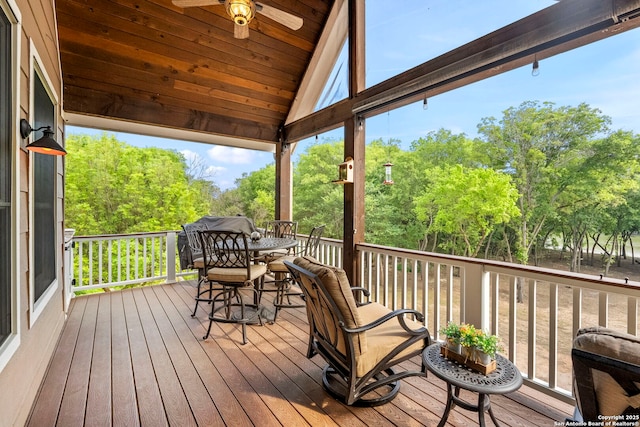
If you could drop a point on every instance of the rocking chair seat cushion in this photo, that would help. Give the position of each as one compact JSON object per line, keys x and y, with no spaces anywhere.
{"x":616,"y":345}
{"x":382,"y":339}
{"x":236,"y":275}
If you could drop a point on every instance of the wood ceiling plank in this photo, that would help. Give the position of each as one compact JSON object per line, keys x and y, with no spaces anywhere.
{"x":146,"y":38}
{"x":92,"y":81}
{"x":166,"y":66}
{"x":110,"y":105}
{"x":170,"y":74}
{"x":212,"y":28}
{"x":297,"y":42}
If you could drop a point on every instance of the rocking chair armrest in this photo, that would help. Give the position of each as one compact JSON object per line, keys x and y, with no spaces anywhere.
{"x":358,"y":292}
{"x":394,"y":314}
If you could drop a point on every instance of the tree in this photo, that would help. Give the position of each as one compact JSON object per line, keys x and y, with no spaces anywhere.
{"x":468,"y":205}
{"x":112,"y":187}
{"x":316,"y":200}
{"x":539,"y":146}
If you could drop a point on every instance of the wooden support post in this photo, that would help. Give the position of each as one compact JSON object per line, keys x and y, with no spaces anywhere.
{"x":284,"y":187}
{"x":354,"y":145}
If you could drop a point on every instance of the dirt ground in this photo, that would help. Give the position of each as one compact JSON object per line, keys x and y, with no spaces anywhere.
{"x":560,"y":261}
{"x":616,"y":307}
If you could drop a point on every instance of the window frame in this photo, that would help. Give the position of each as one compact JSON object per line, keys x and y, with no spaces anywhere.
{"x":11,"y":344}
{"x":36,"y":307}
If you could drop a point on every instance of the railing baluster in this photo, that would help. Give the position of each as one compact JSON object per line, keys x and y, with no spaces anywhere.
{"x":603,"y":309}
{"x":553,"y":335}
{"x":513,"y":306}
{"x":577,"y":310}
{"x":532,"y":330}
{"x":632,"y":315}
{"x":109,"y":261}
{"x":90,"y":263}
{"x":436,"y":297}
{"x":495,"y":304}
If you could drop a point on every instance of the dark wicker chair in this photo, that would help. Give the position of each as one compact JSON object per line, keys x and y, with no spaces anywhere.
{"x":362,"y":344}
{"x":232,"y":268}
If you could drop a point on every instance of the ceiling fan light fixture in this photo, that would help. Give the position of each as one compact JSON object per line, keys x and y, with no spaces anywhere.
{"x":241,"y":11}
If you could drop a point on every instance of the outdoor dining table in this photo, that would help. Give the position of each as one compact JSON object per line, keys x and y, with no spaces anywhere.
{"x":266,"y":244}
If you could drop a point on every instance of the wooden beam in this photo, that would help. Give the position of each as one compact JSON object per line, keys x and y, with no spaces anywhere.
{"x":563,"y":26}
{"x":284,"y":181}
{"x":354,"y":145}
{"x":322,"y":62}
{"x":120,"y":107}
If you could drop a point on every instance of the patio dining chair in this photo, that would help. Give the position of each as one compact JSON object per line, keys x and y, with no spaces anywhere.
{"x":203,"y":294}
{"x":279,"y":229}
{"x":232,"y":268}
{"x":363,"y":344}
{"x":287,"y":294}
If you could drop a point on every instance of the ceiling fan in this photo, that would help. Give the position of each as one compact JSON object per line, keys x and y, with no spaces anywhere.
{"x":243,"y":11}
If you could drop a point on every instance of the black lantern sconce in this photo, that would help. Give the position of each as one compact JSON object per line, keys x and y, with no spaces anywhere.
{"x":46,"y":144}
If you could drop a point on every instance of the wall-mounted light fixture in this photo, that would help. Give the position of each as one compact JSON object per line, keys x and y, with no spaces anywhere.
{"x":44,"y":145}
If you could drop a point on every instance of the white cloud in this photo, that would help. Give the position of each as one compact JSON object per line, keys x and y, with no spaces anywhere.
{"x":190,"y":156}
{"x":230,"y":155}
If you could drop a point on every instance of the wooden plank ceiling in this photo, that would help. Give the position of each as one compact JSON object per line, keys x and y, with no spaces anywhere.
{"x":150,"y":62}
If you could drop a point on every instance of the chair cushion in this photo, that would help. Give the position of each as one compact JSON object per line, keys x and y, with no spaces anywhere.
{"x":337,"y":285}
{"x":382,"y":339}
{"x":236,"y":275}
{"x":277,"y":266}
{"x":611,"y":397}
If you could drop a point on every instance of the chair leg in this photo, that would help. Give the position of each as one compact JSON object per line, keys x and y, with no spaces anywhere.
{"x":199,"y":291}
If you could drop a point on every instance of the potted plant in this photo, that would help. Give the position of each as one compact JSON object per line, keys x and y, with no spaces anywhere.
{"x":452,"y":334}
{"x":487,"y":346}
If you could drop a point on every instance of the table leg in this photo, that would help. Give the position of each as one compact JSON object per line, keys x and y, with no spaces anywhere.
{"x":481,"y":409}
{"x":484,"y":404}
{"x":450,"y":404}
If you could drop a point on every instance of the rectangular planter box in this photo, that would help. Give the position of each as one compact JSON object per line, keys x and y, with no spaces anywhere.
{"x":464,"y":360}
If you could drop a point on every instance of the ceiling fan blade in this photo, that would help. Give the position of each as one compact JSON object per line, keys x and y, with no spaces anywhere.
{"x":240,"y":31}
{"x":284,"y":18}
{"x":194,"y":3}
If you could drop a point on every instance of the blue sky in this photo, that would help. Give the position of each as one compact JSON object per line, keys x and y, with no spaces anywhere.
{"x":605,"y":75}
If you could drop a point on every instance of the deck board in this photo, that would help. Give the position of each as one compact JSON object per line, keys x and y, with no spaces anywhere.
{"x":136,"y":358}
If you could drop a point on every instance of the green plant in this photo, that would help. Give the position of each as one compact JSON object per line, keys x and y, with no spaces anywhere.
{"x":469,"y":335}
{"x":488,"y":344}
{"x":451,"y":331}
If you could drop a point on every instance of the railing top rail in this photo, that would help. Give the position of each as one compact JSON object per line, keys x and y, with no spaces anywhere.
{"x":123,"y":236}
{"x":580,"y":279}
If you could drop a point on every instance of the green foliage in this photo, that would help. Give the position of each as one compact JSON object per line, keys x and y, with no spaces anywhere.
{"x":316,"y":200}
{"x":112,"y":188}
{"x":467,"y":205}
{"x":538,"y":172}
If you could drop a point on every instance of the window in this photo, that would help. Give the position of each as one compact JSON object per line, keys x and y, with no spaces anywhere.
{"x":6,"y":171}
{"x":44,"y":196}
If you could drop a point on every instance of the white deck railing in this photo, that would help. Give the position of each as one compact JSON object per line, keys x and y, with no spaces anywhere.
{"x":106,"y":261}
{"x":537,"y":331}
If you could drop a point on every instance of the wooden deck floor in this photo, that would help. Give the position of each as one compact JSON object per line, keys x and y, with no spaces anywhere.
{"x":136,"y":357}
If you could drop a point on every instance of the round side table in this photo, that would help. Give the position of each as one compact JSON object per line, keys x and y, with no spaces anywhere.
{"x":505,"y":379}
